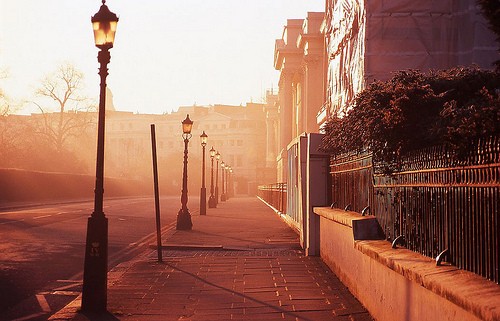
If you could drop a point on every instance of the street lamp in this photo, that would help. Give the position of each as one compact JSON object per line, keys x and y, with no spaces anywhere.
{"x":203,"y":192}
{"x":223,"y":195}
{"x":95,"y":273}
{"x":184,"y":217}
{"x":211,"y":200}
{"x":229,"y":181}
{"x":232,"y":182}
{"x":217,"y":157}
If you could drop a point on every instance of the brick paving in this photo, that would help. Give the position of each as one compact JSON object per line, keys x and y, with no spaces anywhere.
{"x":240,"y":262}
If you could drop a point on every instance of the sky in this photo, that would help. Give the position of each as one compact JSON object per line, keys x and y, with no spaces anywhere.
{"x":167,"y":53}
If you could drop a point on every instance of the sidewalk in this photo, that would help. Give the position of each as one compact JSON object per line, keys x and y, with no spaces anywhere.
{"x":240,"y":262}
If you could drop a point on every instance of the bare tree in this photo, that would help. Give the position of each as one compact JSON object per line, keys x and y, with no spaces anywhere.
{"x":13,"y":130}
{"x":5,"y":142}
{"x":4,"y":101}
{"x":64,"y":111}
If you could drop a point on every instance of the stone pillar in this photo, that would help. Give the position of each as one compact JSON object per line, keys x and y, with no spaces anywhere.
{"x":312,"y":45}
{"x":285,"y":116}
{"x":314,"y":94}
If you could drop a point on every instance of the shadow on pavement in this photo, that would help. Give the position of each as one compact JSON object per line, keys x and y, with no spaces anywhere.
{"x":277,"y":309}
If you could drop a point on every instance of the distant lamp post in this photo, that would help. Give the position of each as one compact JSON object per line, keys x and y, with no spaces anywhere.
{"x":203,"y":192}
{"x":229,"y":192}
{"x":217,"y":157}
{"x":211,"y":200}
{"x":95,"y":273}
{"x":184,"y":217}
{"x":223,"y":195}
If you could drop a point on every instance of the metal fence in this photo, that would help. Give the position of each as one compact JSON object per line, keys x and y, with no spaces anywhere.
{"x":275,"y":195}
{"x":435,"y":203}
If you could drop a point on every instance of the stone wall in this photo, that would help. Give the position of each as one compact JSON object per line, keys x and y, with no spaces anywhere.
{"x":31,"y":186}
{"x":396,"y":284}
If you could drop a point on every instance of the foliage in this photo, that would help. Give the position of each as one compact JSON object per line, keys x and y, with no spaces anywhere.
{"x":491,"y":11}
{"x":415,"y":110}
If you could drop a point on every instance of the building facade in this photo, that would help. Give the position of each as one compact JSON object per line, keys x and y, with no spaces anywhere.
{"x":299,"y":56}
{"x":368,"y":40}
{"x":327,"y":58}
{"x":238,"y":133}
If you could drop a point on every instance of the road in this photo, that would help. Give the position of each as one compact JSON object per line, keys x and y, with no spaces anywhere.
{"x":42,"y":249}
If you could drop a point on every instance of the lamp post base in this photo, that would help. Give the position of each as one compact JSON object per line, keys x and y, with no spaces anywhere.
{"x":184,"y":220}
{"x":95,"y":275}
{"x":203,"y":201}
{"x":212,"y":202}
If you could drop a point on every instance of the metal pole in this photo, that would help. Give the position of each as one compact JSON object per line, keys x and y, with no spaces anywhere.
{"x":157,"y":193}
{"x":227,"y":184}
{"x":223,"y":195}
{"x":95,"y":273}
{"x":103,"y":57}
{"x":184,"y":217}
{"x":203,"y":193}
{"x":217,"y":183}
{"x":230,"y":184}
{"x":211,"y":200}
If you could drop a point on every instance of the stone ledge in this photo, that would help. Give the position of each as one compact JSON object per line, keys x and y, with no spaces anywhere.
{"x":467,"y":290}
{"x":341,"y":216}
{"x":363,"y":227}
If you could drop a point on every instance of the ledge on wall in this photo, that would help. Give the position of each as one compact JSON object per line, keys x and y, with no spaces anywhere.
{"x":363,"y":227}
{"x":465,"y":289}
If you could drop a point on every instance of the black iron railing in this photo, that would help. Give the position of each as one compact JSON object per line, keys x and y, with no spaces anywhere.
{"x":434,"y":202}
{"x":275,"y":195}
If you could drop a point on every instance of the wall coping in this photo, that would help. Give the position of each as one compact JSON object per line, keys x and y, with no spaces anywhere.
{"x":467,"y":290}
{"x":340,"y":216}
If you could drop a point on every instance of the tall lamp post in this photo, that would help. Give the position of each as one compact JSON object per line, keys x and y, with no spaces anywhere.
{"x":184,"y":217}
{"x":223,"y":195}
{"x":95,"y":273}
{"x":229,"y":190}
{"x":211,"y":200}
{"x":217,"y":157}
{"x":232,"y":182}
{"x":203,"y":192}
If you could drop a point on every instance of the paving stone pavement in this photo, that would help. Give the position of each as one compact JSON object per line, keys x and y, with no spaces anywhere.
{"x":240,"y":262}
